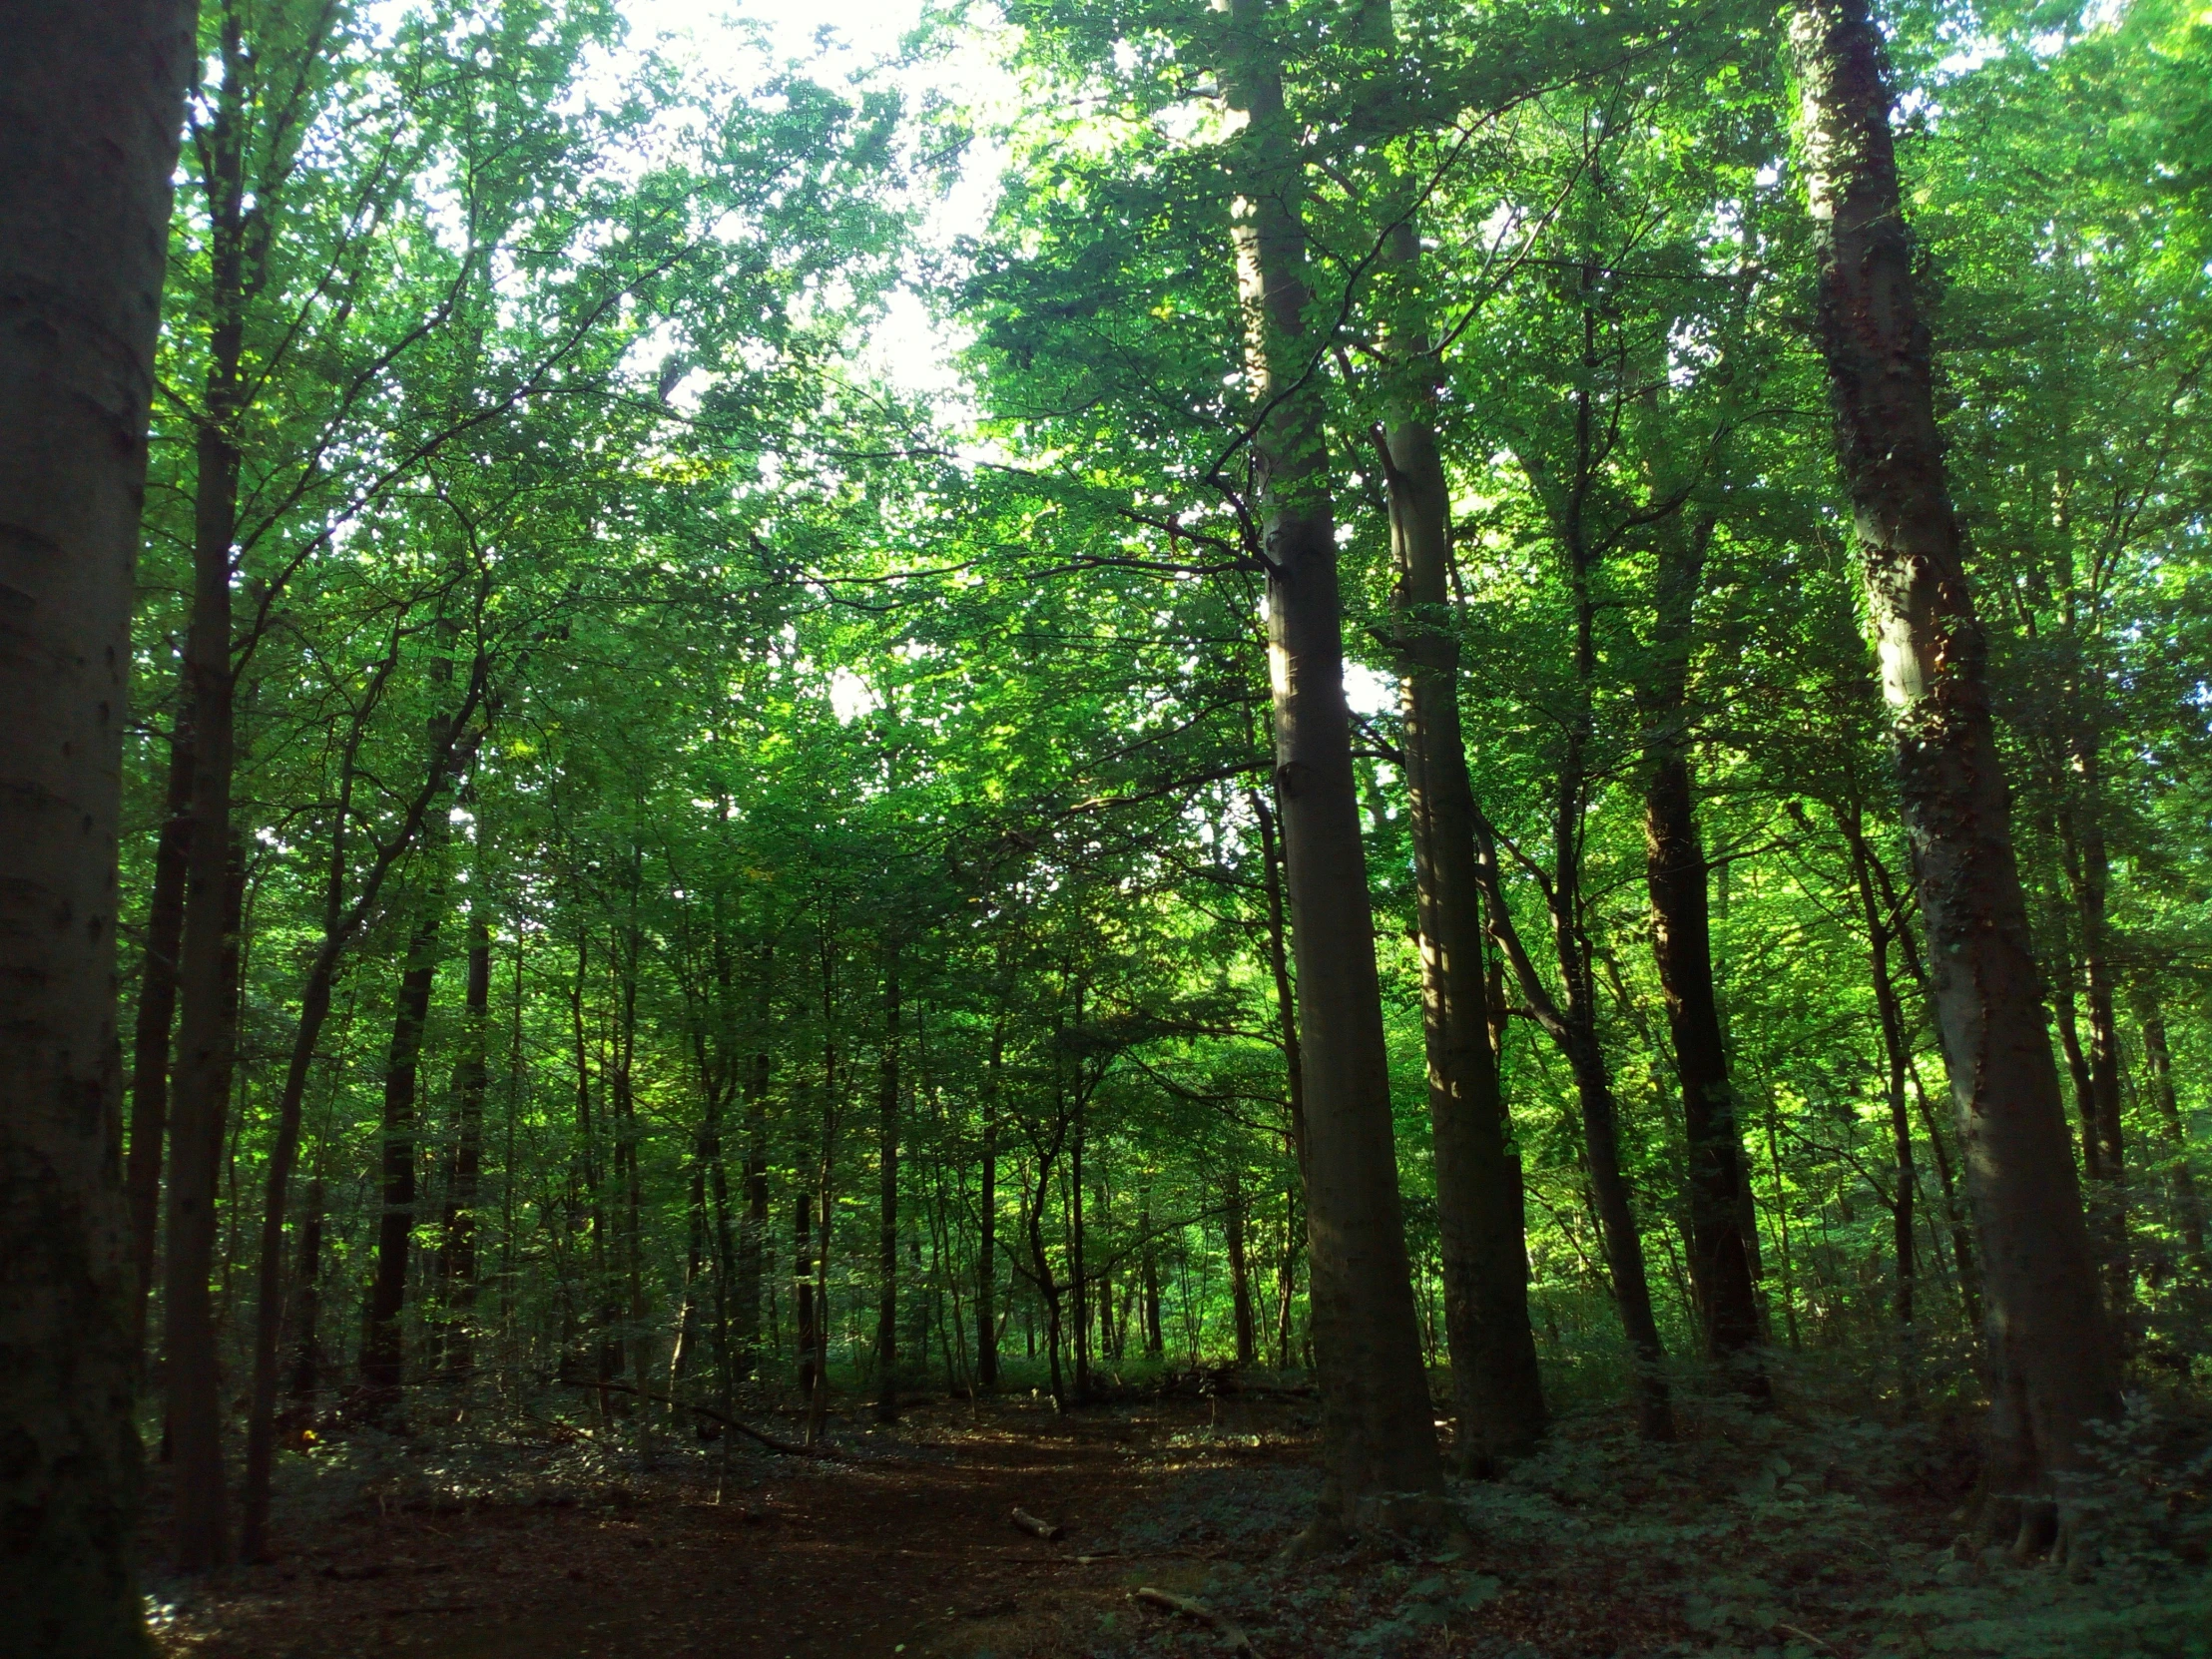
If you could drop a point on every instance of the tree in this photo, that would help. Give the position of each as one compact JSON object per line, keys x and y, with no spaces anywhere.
{"x":2048,"y":1357}
{"x":1378,"y":1424}
{"x":91,"y":105}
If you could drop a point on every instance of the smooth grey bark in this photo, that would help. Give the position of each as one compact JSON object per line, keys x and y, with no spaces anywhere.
{"x":2049,"y":1352}
{"x":1379,"y":1433}
{"x":91,"y":103}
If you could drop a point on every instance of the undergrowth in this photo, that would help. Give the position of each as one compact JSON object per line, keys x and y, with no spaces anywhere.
{"x":1798,"y":1533}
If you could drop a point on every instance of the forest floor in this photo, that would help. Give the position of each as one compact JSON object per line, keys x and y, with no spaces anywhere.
{"x":1753,"y":1535}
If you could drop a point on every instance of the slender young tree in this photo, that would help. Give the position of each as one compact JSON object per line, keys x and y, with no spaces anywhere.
{"x":1682,"y":943}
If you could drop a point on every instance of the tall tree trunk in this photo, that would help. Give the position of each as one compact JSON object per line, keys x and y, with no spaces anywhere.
{"x":1895,"y":1054}
{"x":802,"y":1288}
{"x":91,"y":100}
{"x":886,"y":1242}
{"x":817,"y":1393}
{"x":1079,"y":1285}
{"x":341,"y":923}
{"x":1154,"y":1336}
{"x":307,"y":1366}
{"x":157,"y":1010}
{"x":383,"y":1359}
{"x":2090,"y":863}
{"x":2188,"y":1205}
{"x":197,"y":1136}
{"x":1239,"y":1264}
{"x":986,"y":1220}
{"x":1498,"y":1394}
{"x":1497,"y":1390}
{"x":1278,"y":970}
{"x":637,"y":1343}
{"x":752,"y":1236}
{"x":2058,"y":948}
{"x":2049,"y":1355}
{"x":1675,"y":874}
{"x":206,"y":1035}
{"x":470,"y":1077}
{"x":1377,"y":1432}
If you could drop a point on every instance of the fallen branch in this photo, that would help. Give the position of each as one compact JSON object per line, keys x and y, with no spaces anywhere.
{"x":1238,"y":1641}
{"x":1805,"y":1636}
{"x":1044,"y":1529}
{"x":787,"y":1449}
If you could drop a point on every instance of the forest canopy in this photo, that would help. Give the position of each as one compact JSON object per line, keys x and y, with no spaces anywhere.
{"x":1432,"y":700}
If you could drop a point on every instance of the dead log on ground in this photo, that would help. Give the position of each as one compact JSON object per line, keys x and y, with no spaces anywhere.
{"x":1035,"y":1527}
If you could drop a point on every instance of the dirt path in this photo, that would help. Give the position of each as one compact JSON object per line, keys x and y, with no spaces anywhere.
{"x":906,"y":1548}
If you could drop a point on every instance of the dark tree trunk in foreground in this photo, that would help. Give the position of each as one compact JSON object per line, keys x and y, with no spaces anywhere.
{"x":157,"y":1010}
{"x":1378,"y":1435}
{"x":91,"y":101}
{"x":1682,"y":943}
{"x":2049,"y":1353}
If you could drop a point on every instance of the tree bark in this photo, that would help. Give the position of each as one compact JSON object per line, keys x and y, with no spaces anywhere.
{"x":91,"y":103}
{"x":1499,"y":1396}
{"x":307,"y":1368}
{"x":1377,"y":1431}
{"x":383,"y":1360}
{"x":1675,"y":874}
{"x":471,"y":1075}
{"x":1240,"y":1267}
{"x":201,"y":1528}
{"x":2049,"y":1355}
{"x":753,"y":1235}
{"x":2188,"y":1204}
{"x":886,"y":1242}
{"x":157,"y":1011}
{"x":206,"y":1033}
{"x":1497,"y":1390}
{"x":1895,"y":1054}
{"x":341,"y":923}
{"x":986,"y":1220}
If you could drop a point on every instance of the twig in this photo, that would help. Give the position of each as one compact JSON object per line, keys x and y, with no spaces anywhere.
{"x":1238,"y":1641}
{"x":1804,"y":1636}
